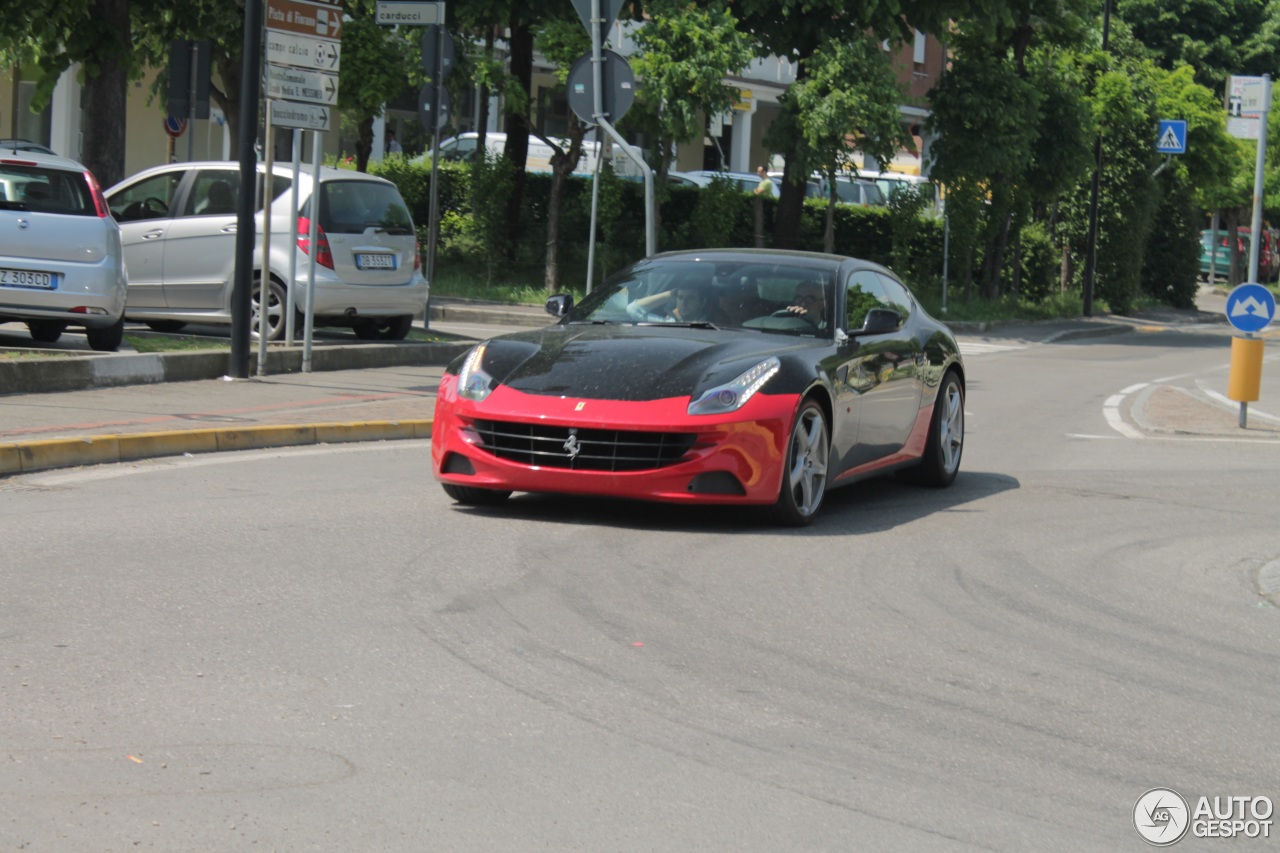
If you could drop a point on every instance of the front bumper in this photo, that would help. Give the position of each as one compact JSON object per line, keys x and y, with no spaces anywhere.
{"x":735,"y":459}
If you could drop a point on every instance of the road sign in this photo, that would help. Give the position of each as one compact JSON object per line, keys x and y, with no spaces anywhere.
{"x":412,"y":12}
{"x":619,"y":85}
{"x":609,"y":10}
{"x":1250,"y":307}
{"x":304,"y":19}
{"x":175,"y":126}
{"x":302,"y":116}
{"x":432,"y":118}
{"x":430,"y":39}
{"x":303,"y":51}
{"x":1171,"y":138}
{"x":302,"y":84}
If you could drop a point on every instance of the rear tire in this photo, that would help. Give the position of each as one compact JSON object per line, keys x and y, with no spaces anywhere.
{"x":804,"y":479}
{"x":472,"y":496}
{"x":275,"y":309}
{"x":108,"y":339}
{"x":46,"y":331}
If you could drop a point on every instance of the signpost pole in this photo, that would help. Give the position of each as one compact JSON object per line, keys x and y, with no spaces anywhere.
{"x":290,"y":292}
{"x":264,"y":284}
{"x":597,"y":113}
{"x":1259,"y":170}
{"x":433,"y":210}
{"x":313,"y":249}
{"x":249,"y":92}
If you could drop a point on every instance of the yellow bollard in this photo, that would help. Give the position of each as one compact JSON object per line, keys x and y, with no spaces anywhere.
{"x":1245,"y":378}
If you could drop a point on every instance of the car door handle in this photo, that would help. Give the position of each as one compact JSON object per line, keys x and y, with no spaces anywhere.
{"x":230,"y":229}
{"x":151,"y":235}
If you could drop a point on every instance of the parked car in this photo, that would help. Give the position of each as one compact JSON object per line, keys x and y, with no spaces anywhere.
{"x":849,"y":190}
{"x":744,"y":181}
{"x":178,"y":224}
{"x":16,"y":145}
{"x":463,"y":148}
{"x":1268,"y":254}
{"x":61,"y":258}
{"x":832,"y":373}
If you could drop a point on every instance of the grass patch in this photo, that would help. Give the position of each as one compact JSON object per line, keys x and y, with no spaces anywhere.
{"x":462,"y":283}
{"x":174,"y":343}
{"x":23,"y":355}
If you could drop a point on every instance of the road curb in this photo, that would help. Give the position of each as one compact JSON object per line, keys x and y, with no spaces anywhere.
{"x":24,"y":457}
{"x":76,"y":373}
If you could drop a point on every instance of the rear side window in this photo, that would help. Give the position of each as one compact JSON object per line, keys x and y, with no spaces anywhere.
{"x":45,"y":190}
{"x":353,"y":207}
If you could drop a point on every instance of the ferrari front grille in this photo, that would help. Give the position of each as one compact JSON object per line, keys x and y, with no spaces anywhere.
{"x":583,"y":449}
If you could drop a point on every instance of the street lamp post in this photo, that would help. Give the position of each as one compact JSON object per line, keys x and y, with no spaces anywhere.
{"x":1091,"y":257}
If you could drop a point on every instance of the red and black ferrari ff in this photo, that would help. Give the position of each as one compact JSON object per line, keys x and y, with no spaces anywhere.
{"x":720,"y":376}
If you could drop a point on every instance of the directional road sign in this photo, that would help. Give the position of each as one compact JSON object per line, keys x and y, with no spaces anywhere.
{"x":302,"y":116}
{"x":433,"y":117}
{"x":609,"y":10}
{"x":301,"y":84}
{"x":1171,"y":138}
{"x":431,"y":40}
{"x":303,"y":51}
{"x":304,"y":19}
{"x":1250,"y":307}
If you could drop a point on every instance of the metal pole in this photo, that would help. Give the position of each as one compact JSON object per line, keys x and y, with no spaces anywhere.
{"x":290,"y":294}
{"x":249,"y":92}
{"x":946,"y":256}
{"x":264,"y":284}
{"x":433,"y":210}
{"x":595,"y":205}
{"x":313,"y":239}
{"x":191,"y":100}
{"x":1091,"y":258}
{"x":597,"y":113}
{"x":1259,"y":170}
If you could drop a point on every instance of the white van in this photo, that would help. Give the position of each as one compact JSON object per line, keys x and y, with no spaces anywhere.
{"x":463,"y":147}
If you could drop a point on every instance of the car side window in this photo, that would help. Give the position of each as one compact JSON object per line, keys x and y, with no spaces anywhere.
{"x":213,"y":193}
{"x":149,"y":198}
{"x":864,"y":291}
{"x":897,"y":296}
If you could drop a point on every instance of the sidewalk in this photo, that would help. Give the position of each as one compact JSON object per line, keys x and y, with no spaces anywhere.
{"x":387,"y":392}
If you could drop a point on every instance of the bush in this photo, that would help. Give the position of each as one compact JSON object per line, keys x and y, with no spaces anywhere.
{"x":1171,"y":264}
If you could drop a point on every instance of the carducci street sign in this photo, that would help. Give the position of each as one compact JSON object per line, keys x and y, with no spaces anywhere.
{"x":410,"y":12}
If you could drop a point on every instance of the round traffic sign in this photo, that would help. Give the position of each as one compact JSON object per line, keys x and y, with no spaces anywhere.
{"x":175,"y":126}
{"x":618,"y":87}
{"x":1250,"y":307}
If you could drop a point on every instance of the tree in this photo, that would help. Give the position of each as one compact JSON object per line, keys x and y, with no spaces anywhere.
{"x":683,"y":54}
{"x":848,"y":102}
{"x":1217,"y":38}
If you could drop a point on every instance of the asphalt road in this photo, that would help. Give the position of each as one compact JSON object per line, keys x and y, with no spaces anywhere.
{"x":315,"y":650}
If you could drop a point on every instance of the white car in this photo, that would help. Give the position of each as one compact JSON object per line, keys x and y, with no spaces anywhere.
{"x":179,"y":224}
{"x":61,"y":261}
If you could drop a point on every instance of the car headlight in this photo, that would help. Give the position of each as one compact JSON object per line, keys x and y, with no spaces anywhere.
{"x":733,"y":395}
{"x":473,"y":383}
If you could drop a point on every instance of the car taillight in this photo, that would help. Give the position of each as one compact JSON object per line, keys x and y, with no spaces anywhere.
{"x":99,"y":202}
{"x":324,"y":255}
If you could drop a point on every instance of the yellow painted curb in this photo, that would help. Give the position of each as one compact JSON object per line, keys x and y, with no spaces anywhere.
{"x":147,"y":445}
{"x":27,"y":456}
{"x":68,"y":452}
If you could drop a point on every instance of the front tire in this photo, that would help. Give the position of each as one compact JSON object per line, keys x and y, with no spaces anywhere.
{"x":804,"y":480}
{"x":471,"y":496}
{"x":941,"y":461}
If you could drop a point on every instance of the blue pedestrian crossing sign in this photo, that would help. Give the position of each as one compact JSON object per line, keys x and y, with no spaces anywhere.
{"x":1250,"y":307}
{"x":1171,"y":138}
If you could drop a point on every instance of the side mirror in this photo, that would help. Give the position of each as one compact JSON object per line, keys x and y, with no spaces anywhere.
{"x":560,"y":304}
{"x":879,"y":321}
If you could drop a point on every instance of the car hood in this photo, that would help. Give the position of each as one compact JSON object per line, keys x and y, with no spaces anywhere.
{"x":623,"y":362}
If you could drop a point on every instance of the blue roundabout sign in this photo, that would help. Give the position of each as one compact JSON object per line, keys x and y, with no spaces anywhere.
{"x":1250,"y":307}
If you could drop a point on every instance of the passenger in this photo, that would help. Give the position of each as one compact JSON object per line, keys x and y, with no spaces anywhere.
{"x":740,"y":302}
{"x":692,"y":304}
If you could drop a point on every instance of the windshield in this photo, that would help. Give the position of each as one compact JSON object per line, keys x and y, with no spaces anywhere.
{"x":766,"y":296}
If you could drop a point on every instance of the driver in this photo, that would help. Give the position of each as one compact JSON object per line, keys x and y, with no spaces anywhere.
{"x":810,"y":303}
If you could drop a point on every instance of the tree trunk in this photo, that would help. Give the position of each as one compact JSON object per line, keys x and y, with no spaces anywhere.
{"x":517,"y":123}
{"x":105,"y":95}
{"x":829,"y":232}
{"x":364,"y":143}
{"x":786,"y":224}
{"x":562,"y":163}
{"x":228,"y":99}
{"x":482,"y":115}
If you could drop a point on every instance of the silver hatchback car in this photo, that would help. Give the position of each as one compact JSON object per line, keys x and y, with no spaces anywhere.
{"x":61,"y":261}
{"x":179,"y":228}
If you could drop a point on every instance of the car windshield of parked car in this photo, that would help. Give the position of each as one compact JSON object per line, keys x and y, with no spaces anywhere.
{"x":354,"y":207}
{"x":44,"y":190}
{"x":724,"y":294}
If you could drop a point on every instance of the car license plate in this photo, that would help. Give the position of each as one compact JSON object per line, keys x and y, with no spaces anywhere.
{"x":27,"y":278}
{"x":376,"y":261}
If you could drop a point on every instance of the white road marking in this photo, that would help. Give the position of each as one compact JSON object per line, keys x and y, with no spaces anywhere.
{"x":978,"y":348}
{"x":1223,"y":398}
{"x":1111,"y":411}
